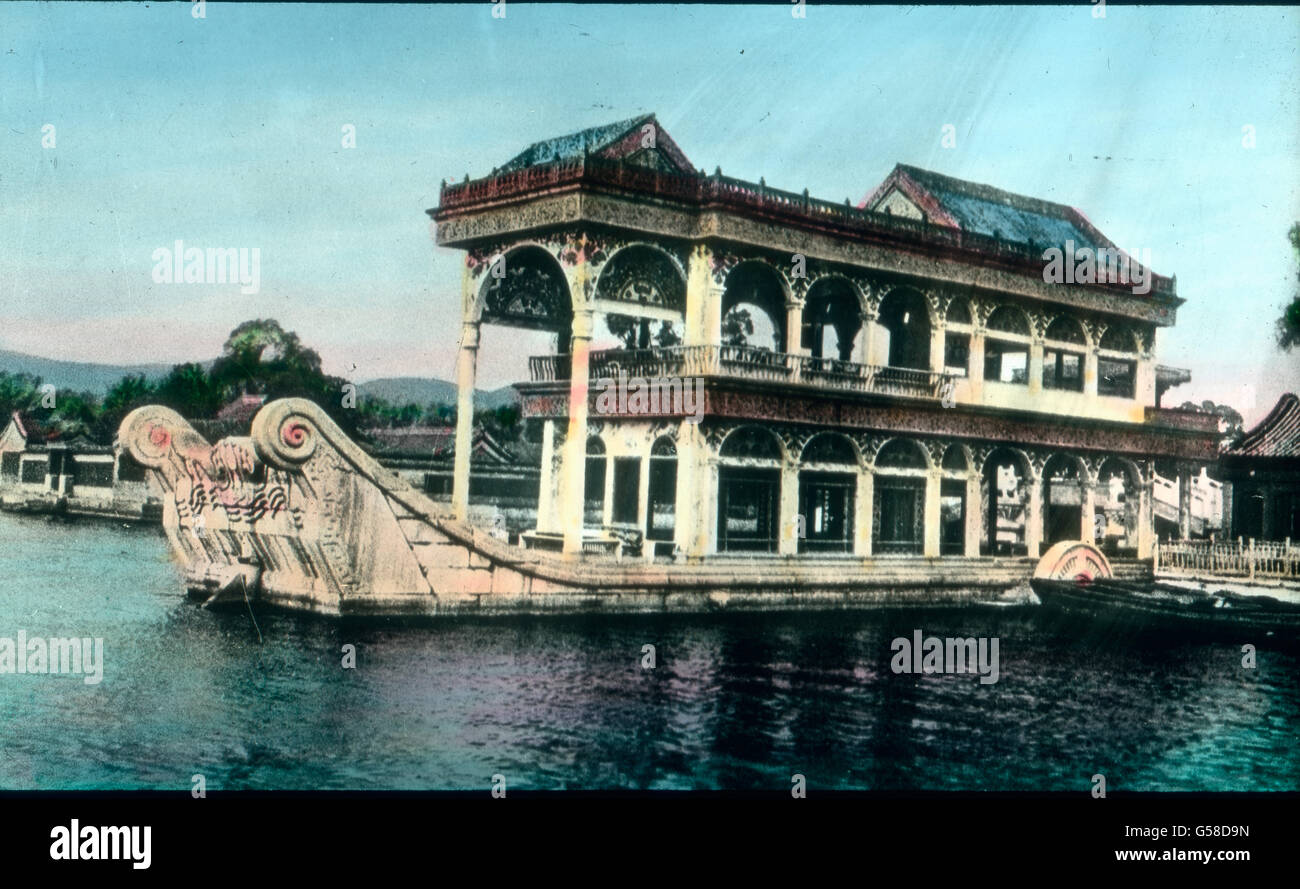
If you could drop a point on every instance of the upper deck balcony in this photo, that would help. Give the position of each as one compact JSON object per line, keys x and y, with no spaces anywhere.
{"x":746,"y":363}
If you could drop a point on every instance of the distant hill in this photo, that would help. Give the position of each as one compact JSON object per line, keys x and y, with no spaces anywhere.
{"x":425,"y":391}
{"x":79,"y":376}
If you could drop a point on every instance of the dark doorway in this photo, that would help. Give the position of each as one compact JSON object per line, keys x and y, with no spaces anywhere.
{"x":748,"y":509}
{"x":952,"y":518}
{"x":627,"y":489}
{"x":899,"y":516}
{"x":826,"y":503}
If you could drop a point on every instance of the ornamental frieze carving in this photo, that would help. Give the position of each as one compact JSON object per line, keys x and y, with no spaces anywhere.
{"x":1038,"y":322}
{"x":981,"y":454}
{"x":1096,"y":330}
{"x":936,"y":449}
{"x":535,"y":215}
{"x":869,"y":445}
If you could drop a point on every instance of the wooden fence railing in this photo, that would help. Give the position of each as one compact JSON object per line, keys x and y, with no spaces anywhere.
{"x":1234,"y":558}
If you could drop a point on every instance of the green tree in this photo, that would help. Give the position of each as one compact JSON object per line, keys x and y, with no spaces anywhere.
{"x":125,"y":395}
{"x":18,"y":392}
{"x":1231,"y":422}
{"x":190,"y":391}
{"x":261,"y":357}
{"x":1288,"y":326}
{"x":737,"y":327}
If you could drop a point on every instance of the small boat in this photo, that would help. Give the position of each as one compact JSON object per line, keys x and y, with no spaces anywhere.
{"x":1075,"y":578}
{"x":1154,"y":605}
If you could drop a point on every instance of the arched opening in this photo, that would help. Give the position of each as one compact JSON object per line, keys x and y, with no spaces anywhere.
{"x":898,"y":507}
{"x":956,"y":344}
{"x":952,"y":501}
{"x":1115,"y":504}
{"x":1117,"y":363}
{"x":753,"y":308}
{"x":593,"y":512}
{"x":827,"y":493}
{"x":1063,"y":354}
{"x":905,"y":316}
{"x":661,"y":510}
{"x":1004,"y":496}
{"x":832,"y":319}
{"x":526,"y":288}
{"x":749,"y":491}
{"x":643,"y":276}
{"x":1063,"y":477}
{"x":1006,"y":347}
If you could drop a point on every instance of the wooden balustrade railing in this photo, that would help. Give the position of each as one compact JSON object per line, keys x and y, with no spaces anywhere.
{"x":1230,"y":558}
{"x":743,"y":362}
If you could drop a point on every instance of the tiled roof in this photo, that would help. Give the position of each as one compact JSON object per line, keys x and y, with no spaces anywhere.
{"x":1277,"y":435}
{"x":986,"y":210}
{"x":242,"y":408}
{"x":573,"y":145}
{"x":436,"y":442}
{"x":32,"y":430}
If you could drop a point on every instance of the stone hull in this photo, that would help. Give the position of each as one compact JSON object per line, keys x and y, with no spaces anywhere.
{"x":297,"y":516}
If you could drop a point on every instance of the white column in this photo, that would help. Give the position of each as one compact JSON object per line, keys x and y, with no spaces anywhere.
{"x":788,"y":537}
{"x":574,"y":468}
{"x":975,"y":371}
{"x":862,"y":516}
{"x":1034,"y":515}
{"x":938,"y":341}
{"x":933,"y":479}
{"x":974,"y":518}
{"x":703,"y":300}
{"x":1090,"y":372}
{"x":466,"y":367}
{"x":546,"y":480}
{"x":1146,"y":530}
{"x":794,"y":327}
{"x":1087,"y":508}
{"x":1035,"y":369}
{"x":870,"y":347}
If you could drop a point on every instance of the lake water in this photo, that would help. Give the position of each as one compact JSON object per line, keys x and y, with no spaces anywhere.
{"x":733,"y":701}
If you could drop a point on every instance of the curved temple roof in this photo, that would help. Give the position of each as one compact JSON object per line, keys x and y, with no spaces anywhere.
{"x":1277,"y":435}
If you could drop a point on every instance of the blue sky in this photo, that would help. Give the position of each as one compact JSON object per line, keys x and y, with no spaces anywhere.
{"x":226,"y":131}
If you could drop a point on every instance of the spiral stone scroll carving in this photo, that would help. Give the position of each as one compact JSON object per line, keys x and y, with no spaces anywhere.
{"x":285,"y":432}
{"x":153,"y":433}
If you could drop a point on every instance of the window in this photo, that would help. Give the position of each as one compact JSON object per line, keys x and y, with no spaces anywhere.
{"x":662,"y":508}
{"x":952,"y":517}
{"x":627,"y":493}
{"x":747,"y":509}
{"x":33,"y":472}
{"x":1116,"y":377}
{"x":826,"y":504}
{"x":128,"y":470}
{"x":899,"y":509}
{"x":956,"y":353}
{"x":9,"y":465}
{"x":1006,"y":362}
{"x":594,"y":484}
{"x":1062,"y":370}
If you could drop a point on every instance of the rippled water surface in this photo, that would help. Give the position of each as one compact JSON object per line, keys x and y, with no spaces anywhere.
{"x":733,"y":702}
